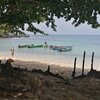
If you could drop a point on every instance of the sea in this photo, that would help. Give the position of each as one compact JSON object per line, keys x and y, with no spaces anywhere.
{"x":80,"y":43}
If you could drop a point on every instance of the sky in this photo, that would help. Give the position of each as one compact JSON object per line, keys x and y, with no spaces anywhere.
{"x":68,"y":29}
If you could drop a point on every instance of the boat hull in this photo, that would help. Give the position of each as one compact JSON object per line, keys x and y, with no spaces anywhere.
{"x":61,"y":48}
{"x":35,"y":46}
{"x":22,"y":46}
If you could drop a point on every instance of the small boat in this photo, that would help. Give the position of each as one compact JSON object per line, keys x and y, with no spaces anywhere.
{"x":65,"y":49}
{"x":61,"y":48}
{"x":22,"y":46}
{"x":35,"y":46}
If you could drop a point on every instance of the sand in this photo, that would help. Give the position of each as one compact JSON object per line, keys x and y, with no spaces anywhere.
{"x":53,"y":88}
{"x":64,"y":71}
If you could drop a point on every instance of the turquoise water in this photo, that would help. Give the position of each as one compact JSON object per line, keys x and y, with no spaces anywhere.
{"x":80,"y":43}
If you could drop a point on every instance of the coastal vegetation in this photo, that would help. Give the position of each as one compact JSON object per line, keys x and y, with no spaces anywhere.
{"x":14,"y":14}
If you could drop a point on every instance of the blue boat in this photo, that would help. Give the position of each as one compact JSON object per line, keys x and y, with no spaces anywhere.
{"x":65,"y":49}
{"x":61,"y":48}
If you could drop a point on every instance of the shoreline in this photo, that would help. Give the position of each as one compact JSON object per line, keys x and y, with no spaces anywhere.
{"x":64,"y":71}
{"x":58,"y":62}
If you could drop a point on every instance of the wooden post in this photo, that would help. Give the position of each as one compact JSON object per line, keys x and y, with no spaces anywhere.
{"x":92,"y":61}
{"x":83,"y":63}
{"x":48,"y":70}
{"x":74,"y":71}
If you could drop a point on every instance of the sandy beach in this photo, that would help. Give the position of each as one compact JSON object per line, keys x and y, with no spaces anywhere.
{"x":64,"y":70}
{"x":48,"y":87}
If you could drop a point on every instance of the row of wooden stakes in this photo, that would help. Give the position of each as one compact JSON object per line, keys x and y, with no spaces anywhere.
{"x":74,"y":70}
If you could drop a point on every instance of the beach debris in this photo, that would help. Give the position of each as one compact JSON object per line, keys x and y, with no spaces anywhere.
{"x":24,"y":90}
{"x":19,"y":94}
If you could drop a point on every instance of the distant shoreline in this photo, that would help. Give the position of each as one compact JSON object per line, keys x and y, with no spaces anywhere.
{"x":12,"y":36}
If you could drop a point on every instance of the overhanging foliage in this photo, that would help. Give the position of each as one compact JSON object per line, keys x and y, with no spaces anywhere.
{"x":15,"y":13}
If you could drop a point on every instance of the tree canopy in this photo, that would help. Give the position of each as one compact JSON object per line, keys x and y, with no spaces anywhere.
{"x":14,"y":14}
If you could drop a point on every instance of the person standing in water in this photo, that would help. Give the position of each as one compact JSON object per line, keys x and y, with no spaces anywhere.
{"x":12,"y":51}
{"x":45,"y":45}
